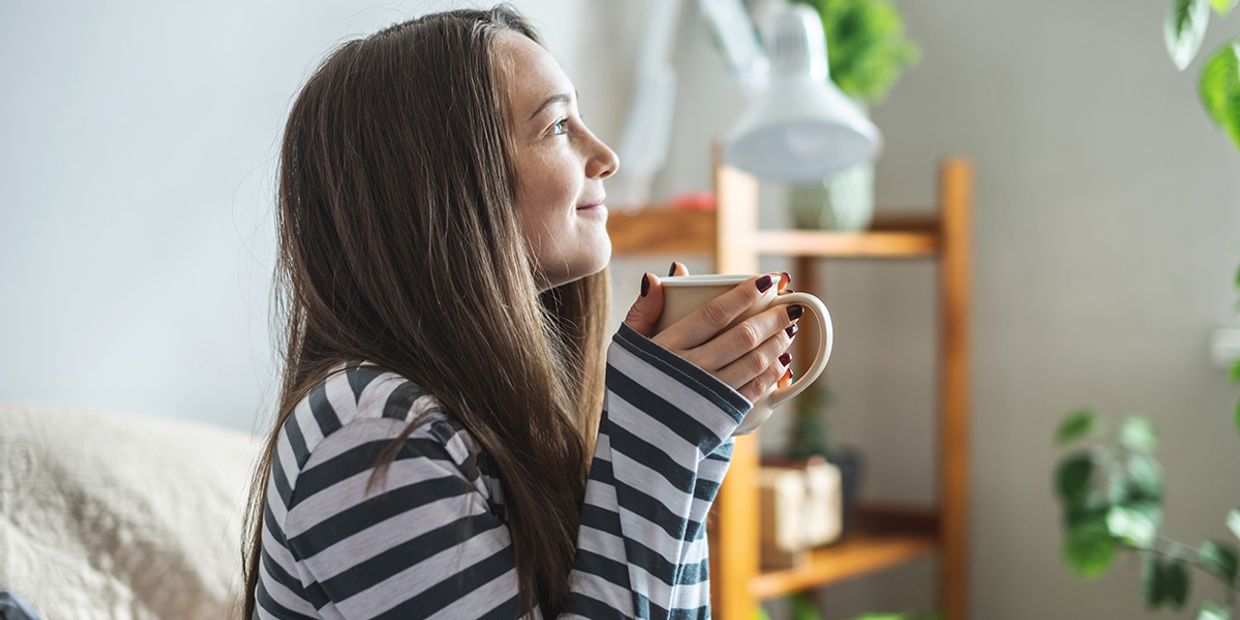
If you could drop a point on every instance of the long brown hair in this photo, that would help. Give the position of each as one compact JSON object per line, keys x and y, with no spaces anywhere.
{"x":400,"y":244}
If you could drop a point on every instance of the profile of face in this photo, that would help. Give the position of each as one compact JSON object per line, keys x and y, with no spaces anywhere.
{"x":560,"y":165}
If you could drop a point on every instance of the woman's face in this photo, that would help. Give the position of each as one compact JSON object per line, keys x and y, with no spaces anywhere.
{"x":560,"y":166}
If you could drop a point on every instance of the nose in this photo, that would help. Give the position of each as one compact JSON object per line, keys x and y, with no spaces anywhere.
{"x":603,"y":163}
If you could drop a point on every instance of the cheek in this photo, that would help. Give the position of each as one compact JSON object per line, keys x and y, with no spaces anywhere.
{"x":549,"y":187}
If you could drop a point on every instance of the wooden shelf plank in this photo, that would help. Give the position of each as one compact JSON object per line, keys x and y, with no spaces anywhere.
{"x":846,"y":245}
{"x":656,"y":230}
{"x":662,"y":231}
{"x":857,"y":555}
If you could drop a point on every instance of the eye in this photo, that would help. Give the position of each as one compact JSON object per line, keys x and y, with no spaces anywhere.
{"x":560,"y":127}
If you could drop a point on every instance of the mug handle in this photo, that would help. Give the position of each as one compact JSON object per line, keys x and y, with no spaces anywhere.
{"x":822,"y":318}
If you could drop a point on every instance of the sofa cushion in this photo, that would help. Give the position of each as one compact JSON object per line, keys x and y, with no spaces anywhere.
{"x":105,"y":515}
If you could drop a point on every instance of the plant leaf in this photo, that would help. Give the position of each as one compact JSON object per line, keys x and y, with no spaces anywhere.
{"x":1073,"y":476}
{"x":1223,"y":7}
{"x":1233,"y":522}
{"x":1184,"y":30}
{"x":1219,"y":89}
{"x":1137,"y":434}
{"x":1175,"y":580}
{"x":803,"y":608}
{"x":1134,"y":527}
{"x":1219,"y":558}
{"x":1210,"y":610}
{"x":1078,"y":424}
{"x":1151,"y":581}
{"x":1233,"y":374}
{"x":1145,"y":479}
{"x":1090,"y":548}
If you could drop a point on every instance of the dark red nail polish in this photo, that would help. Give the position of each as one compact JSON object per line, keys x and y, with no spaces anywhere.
{"x":645,"y":285}
{"x":786,"y":358}
{"x":795,"y":312}
{"x":764,"y":283}
{"x":672,"y":271}
{"x":792,"y":330}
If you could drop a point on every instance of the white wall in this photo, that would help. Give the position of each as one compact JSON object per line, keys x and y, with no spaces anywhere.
{"x":136,"y":175}
{"x":136,"y":181}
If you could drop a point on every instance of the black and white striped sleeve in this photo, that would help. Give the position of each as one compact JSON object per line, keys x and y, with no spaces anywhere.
{"x":425,"y":543}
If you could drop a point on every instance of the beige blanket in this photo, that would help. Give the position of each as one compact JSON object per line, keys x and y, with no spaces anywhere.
{"x":116,"y":516}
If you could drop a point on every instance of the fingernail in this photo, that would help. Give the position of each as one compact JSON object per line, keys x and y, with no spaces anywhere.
{"x":792,"y":330}
{"x":788,"y":375}
{"x":645,"y":284}
{"x":672,"y":271}
{"x":795,"y":312}
{"x":784,"y":279}
{"x":764,"y":283}
{"x":786,"y":358}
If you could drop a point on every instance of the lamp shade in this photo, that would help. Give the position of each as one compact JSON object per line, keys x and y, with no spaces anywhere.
{"x":798,"y":126}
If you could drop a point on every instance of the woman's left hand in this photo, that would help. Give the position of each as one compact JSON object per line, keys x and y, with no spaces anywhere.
{"x":678,"y":269}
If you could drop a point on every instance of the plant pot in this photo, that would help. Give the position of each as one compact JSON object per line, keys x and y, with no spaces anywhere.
{"x":844,"y":203}
{"x":850,"y":462}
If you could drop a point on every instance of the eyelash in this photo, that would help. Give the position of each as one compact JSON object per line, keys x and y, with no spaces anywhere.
{"x":562,"y":121}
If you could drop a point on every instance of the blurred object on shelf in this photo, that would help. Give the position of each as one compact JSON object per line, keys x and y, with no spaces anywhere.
{"x":694,"y":201}
{"x":801,"y":509}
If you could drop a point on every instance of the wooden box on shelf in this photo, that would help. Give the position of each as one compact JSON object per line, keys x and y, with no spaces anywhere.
{"x":802,"y":508}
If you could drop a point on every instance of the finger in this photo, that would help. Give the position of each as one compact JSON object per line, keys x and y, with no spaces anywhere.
{"x":745,"y":367}
{"x":714,"y":316}
{"x":786,"y":380}
{"x":784,"y":280}
{"x":745,"y":337}
{"x":678,"y":269}
{"x":763,"y":383}
{"x":644,"y":314}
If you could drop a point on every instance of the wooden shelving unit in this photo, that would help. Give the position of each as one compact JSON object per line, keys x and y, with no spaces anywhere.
{"x":885,"y":536}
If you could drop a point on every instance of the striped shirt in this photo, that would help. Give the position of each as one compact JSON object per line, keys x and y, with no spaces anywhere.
{"x":429,"y":539}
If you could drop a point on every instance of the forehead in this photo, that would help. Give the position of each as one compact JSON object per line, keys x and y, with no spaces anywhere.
{"x":531,"y":74}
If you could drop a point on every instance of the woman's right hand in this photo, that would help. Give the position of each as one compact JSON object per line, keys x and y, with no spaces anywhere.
{"x":751,"y":357}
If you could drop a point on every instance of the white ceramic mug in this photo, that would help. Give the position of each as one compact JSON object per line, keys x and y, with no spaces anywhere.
{"x":684,"y":294}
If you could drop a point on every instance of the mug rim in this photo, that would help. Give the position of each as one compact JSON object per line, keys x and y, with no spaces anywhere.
{"x":705,"y":279}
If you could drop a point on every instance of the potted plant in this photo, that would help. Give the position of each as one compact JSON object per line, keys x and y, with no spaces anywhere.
{"x":867,"y":51}
{"x":810,"y":436}
{"x":1111,"y":488}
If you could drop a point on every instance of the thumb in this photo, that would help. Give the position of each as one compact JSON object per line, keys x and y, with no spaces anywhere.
{"x":645,"y":312}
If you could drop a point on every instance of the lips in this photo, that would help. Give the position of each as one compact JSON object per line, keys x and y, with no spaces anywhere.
{"x":590,"y":205}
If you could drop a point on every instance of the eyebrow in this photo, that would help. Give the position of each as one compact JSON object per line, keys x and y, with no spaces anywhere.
{"x":560,"y":98}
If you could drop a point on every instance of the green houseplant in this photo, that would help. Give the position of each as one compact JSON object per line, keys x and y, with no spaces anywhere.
{"x":1219,"y":84}
{"x":1111,"y":492}
{"x":867,"y":51}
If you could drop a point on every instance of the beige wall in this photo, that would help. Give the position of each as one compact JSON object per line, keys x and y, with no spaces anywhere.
{"x":1106,"y":234}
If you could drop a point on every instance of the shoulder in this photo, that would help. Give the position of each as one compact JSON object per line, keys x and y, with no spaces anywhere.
{"x":360,"y":408}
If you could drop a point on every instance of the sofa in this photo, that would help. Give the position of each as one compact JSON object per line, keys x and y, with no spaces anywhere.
{"x":111,"y":515}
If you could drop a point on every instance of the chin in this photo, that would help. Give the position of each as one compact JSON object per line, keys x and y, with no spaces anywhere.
{"x":587,"y":267}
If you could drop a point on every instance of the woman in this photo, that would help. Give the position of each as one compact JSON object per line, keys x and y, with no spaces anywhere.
{"x":454,"y":437}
